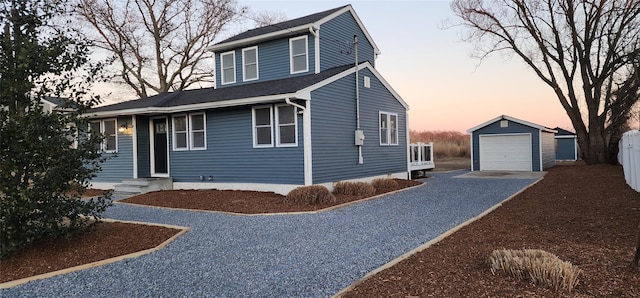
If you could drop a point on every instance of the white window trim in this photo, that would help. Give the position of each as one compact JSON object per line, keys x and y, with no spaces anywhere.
{"x":174,"y":132}
{"x":254,"y":128}
{"x":392,"y":129}
{"x":191,"y":131}
{"x":306,"y":53}
{"x":244,"y":65}
{"x":103,"y":144}
{"x":389,"y":128}
{"x":277,"y":127}
{"x":222,"y":69}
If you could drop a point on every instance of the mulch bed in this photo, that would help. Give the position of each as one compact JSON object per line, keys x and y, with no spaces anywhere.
{"x":106,"y":240}
{"x":584,"y":214}
{"x":247,"y":202}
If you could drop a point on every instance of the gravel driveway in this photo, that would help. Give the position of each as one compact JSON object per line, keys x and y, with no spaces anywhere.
{"x":308,"y":255}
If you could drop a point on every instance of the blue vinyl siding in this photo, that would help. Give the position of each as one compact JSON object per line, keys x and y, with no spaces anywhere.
{"x":120,"y":165}
{"x":144,"y":149}
{"x":565,"y":148}
{"x":336,"y":43}
{"x":273,"y":61}
{"x":513,"y":128}
{"x":230,"y":156}
{"x":335,"y":157}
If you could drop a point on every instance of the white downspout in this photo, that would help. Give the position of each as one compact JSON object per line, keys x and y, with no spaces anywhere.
{"x":316,"y":35}
{"x":306,"y":128}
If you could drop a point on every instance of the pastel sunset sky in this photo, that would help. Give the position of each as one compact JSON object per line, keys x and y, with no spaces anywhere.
{"x":432,"y":69}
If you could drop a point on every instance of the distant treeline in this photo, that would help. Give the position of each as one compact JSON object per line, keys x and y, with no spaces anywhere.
{"x":445,"y":143}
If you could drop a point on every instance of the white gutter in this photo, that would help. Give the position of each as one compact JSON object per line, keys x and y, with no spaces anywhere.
{"x":306,"y":128}
{"x":198,"y":106}
{"x":256,"y":39}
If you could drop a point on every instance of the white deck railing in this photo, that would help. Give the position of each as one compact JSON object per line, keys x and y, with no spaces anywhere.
{"x":421,"y":156}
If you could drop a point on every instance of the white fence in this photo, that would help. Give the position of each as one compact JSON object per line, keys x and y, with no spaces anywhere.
{"x":629,"y":158}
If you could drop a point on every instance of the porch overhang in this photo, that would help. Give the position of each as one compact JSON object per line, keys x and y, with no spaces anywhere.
{"x":201,"y":106}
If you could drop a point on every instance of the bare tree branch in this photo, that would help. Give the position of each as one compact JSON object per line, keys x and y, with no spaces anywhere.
{"x":159,"y":45}
{"x":585,"y":50}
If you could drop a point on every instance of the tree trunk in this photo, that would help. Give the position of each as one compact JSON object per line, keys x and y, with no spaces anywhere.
{"x":636,"y":259}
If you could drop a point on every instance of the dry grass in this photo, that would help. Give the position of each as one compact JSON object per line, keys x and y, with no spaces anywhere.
{"x":309,"y":195}
{"x":539,"y":266}
{"x":384,"y":184}
{"x":354,"y":189}
{"x":445,"y":143}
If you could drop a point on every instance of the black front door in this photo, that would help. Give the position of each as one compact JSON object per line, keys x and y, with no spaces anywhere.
{"x":160,"y":146}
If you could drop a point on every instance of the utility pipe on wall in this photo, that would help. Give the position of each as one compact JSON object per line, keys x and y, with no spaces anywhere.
{"x":359,"y":134}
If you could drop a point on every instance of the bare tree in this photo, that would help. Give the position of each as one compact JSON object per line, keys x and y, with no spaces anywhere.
{"x":159,"y":45}
{"x":266,"y":18}
{"x":586,"y":51}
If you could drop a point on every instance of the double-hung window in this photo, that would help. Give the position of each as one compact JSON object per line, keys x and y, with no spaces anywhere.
{"x":286,"y":132}
{"x":189,"y":132}
{"x":299,"y":55}
{"x":250,"y":64}
{"x":388,"y":128}
{"x":197,"y":132}
{"x":108,"y":128}
{"x":278,"y":120}
{"x":180,"y":133}
{"x":228,"y":67}
{"x":262,"y":132}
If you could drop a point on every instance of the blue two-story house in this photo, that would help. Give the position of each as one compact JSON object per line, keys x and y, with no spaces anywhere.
{"x":290,"y":108}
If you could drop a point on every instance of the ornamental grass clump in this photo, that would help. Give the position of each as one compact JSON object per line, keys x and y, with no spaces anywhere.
{"x":384,"y":184}
{"x":309,"y":195}
{"x":354,"y":189}
{"x":541,"y":267}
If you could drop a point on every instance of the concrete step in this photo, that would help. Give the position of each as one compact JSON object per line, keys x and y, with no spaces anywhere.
{"x":144,"y":185}
{"x":131,"y":188}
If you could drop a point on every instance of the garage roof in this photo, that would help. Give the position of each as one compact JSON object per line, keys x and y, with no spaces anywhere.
{"x":516,"y":120}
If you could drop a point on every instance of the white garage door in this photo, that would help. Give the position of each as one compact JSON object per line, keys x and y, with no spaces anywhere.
{"x":505,"y":152}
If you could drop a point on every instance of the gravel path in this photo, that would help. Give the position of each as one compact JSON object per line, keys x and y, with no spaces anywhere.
{"x":309,"y":255}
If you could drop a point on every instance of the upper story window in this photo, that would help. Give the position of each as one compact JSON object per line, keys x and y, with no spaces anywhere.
{"x":250,"y":64}
{"x":299,"y":55}
{"x":388,"y":128}
{"x":228,"y":67}
{"x":189,"y":132}
{"x":108,"y":128}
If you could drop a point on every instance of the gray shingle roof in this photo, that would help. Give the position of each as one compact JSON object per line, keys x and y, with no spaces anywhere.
{"x":282,"y":26}
{"x":207,"y":95}
{"x":563,"y":132}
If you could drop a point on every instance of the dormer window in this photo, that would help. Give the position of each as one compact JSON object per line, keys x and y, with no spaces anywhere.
{"x":299,"y":55}
{"x":250,"y":64}
{"x":228,"y":65}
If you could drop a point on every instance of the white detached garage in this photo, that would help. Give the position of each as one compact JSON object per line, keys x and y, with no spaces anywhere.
{"x":509,"y":144}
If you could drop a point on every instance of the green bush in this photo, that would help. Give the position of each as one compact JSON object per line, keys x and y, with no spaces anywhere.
{"x":41,"y":164}
{"x":541,"y":267}
{"x":384,"y":184}
{"x":309,"y":195}
{"x":354,"y":189}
